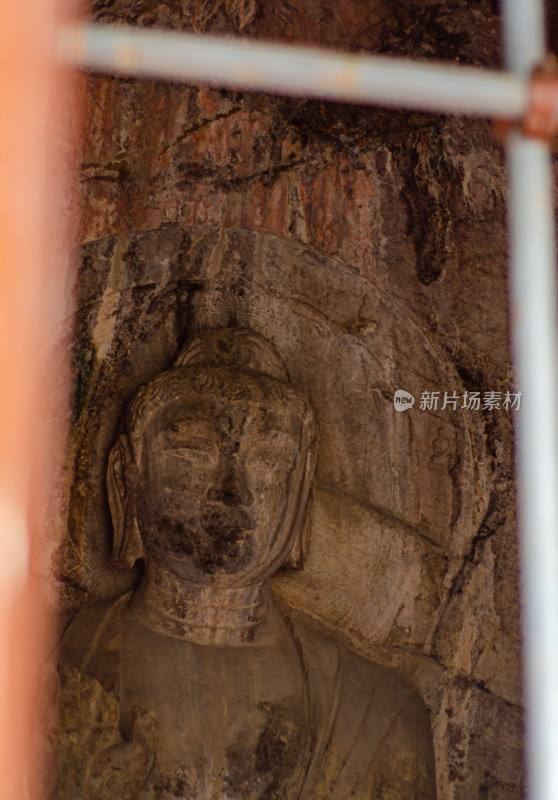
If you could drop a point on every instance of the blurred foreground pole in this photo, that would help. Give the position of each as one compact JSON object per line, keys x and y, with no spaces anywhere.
{"x":25,"y":93}
{"x":293,"y":70}
{"x":535,"y":347}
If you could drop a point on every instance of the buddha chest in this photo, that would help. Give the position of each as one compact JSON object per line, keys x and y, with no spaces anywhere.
{"x":231,"y":719}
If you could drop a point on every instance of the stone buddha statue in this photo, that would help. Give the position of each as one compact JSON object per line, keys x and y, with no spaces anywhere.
{"x":198,"y":684}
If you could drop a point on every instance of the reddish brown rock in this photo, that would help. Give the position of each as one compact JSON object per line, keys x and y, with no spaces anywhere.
{"x":369,"y":245}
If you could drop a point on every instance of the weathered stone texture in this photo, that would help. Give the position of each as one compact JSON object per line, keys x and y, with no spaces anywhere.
{"x":210,"y":482}
{"x":369,"y":246}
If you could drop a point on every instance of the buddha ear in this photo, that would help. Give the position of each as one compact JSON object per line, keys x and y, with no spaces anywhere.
{"x":127,"y":546}
{"x":302,"y":522}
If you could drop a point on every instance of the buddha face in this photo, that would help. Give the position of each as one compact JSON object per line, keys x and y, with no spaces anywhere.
{"x":220,"y":477}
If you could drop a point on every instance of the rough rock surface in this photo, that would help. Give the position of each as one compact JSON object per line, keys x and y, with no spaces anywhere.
{"x":369,"y":246}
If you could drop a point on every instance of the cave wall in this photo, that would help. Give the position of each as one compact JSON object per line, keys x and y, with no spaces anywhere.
{"x":369,"y":245}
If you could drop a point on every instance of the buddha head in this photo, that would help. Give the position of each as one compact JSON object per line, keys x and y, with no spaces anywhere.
{"x":211,"y":476}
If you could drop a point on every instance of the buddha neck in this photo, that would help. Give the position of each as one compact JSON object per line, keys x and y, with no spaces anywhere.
{"x":197,"y":612}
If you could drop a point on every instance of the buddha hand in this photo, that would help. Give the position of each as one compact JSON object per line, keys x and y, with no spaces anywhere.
{"x":93,"y":761}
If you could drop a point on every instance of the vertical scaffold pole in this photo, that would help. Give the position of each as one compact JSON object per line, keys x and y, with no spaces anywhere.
{"x":26,"y":85}
{"x":534,"y":341}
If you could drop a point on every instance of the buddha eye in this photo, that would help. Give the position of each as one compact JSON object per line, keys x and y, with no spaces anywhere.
{"x":276,"y":450}
{"x":197,"y":444}
{"x":188,"y":436}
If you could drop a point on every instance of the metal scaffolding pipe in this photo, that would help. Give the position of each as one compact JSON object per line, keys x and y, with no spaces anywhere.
{"x":534,"y":339}
{"x":524,"y":34}
{"x":293,"y":70}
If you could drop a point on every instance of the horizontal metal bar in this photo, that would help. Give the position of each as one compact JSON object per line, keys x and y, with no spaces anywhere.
{"x":293,"y":70}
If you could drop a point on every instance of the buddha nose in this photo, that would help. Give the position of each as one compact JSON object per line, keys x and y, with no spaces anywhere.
{"x":230,"y":490}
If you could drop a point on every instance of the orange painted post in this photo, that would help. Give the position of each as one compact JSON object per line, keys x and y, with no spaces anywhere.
{"x":26,"y":96}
